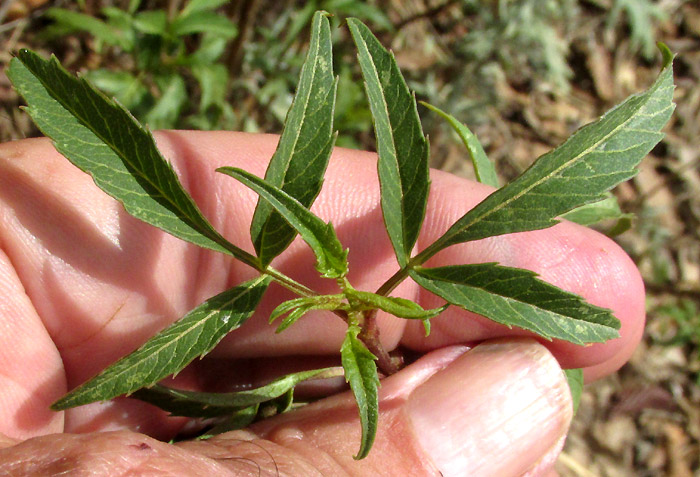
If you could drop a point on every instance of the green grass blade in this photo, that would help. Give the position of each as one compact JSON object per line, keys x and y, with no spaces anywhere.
{"x":402,"y":148}
{"x":483,"y":168}
{"x":301,"y":158}
{"x":103,"y":139}
{"x":580,"y":171}
{"x":201,"y":404}
{"x":330,"y":256}
{"x":361,"y":373}
{"x":515,"y":297}
{"x":173,"y":348}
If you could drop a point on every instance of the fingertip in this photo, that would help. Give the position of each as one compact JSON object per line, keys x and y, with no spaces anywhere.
{"x":517,"y":405}
{"x":600,"y":271}
{"x":572,"y":257}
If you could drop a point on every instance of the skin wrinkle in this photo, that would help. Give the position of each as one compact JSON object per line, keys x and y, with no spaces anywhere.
{"x":268,"y":456}
{"x":325,"y":462}
{"x":96,"y":333}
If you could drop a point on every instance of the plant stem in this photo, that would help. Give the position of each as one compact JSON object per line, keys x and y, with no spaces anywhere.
{"x":253,"y":262}
{"x":289,"y":283}
{"x":370,"y":330}
{"x":393,"y":281}
{"x":369,"y":334}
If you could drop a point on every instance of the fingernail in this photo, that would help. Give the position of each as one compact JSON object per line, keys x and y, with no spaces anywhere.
{"x":496,"y":410}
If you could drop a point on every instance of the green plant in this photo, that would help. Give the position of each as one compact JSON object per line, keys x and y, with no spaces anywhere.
{"x":641,"y":16}
{"x":100,"y":137}
{"x":277,"y":54}
{"x":164,"y":67}
{"x":679,"y":325}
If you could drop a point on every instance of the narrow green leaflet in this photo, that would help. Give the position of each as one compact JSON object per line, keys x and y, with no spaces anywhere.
{"x":402,"y":147}
{"x":238,"y":420}
{"x":200,"y":404}
{"x":575,"y":379}
{"x":515,"y":297}
{"x":173,"y":348}
{"x":301,"y":158}
{"x":483,"y":167}
{"x":298,"y":307}
{"x":361,"y":372}
{"x":103,"y":139}
{"x":330,"y":255}
{"x":397,"y":306}
{"x":152,"y":22}
{"x":606,"y":209}
{"x":580,"y":171}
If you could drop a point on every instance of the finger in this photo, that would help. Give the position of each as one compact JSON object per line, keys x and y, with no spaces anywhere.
{"x":575,"y":258}
{"x":7,"y":441}
{"x":570,"y":256}
{"x":31,"y":373}
{"x":104,"y":454}
{"x":127,"y":280}
{"x":499,"y":409}
{"x":140,"y":279}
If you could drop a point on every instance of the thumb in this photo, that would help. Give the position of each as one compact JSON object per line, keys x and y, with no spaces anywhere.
{"x":502,"y":408}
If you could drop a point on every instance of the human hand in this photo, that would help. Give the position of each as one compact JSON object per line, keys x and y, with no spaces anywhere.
{"x":83,"y":284}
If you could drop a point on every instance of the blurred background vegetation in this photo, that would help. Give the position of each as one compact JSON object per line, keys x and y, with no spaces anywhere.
{"x":522,"y":74}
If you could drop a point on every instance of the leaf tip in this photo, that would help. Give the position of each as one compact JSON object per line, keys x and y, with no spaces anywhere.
{"x":666,"y":53}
